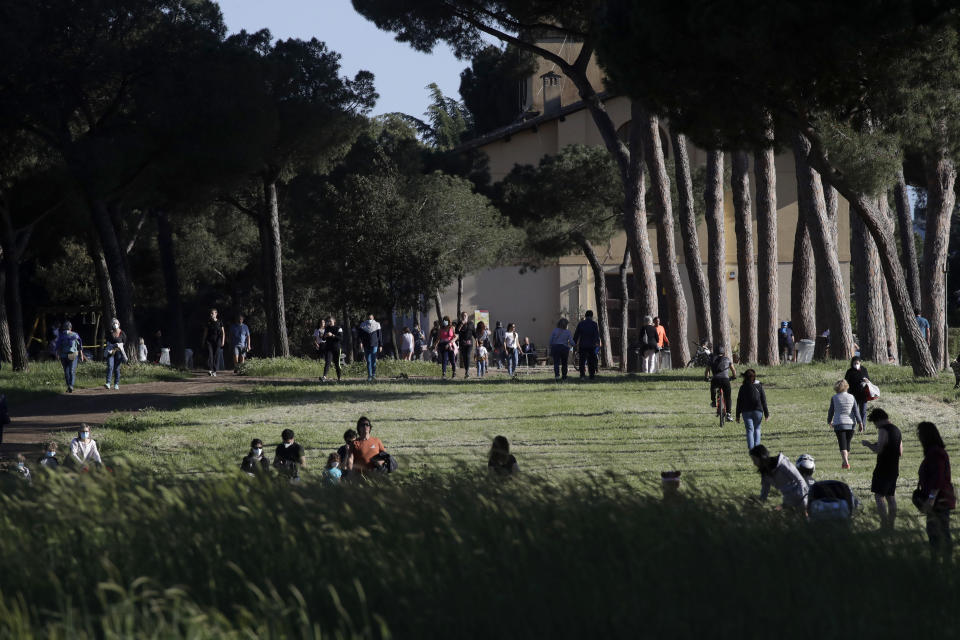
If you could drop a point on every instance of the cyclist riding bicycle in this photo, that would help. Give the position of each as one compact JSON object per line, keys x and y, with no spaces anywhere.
{"x":719,"y":372}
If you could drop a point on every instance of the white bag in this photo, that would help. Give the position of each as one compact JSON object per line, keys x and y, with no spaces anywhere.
{"x":873,"y":391}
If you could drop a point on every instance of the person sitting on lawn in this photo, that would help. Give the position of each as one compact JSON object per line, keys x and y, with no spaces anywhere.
{"x":49,"y":458}
{"x":22,"y":469}
{"x":83,"y":449}
{"x":289,"y":456}
{"x":345,"y":452}
{"x":365,"y":448}
{"x":255,"y":462}
{"x":332,"y":474}
{"x":501,"y":462}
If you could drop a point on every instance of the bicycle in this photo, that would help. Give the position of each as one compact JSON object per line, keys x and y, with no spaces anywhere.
{"x":722,"y":407}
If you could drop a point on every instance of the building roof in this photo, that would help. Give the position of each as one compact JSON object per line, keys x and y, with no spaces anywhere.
{"x":531,"y":123}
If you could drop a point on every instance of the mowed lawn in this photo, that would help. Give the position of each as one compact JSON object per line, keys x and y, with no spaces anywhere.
{"x":635,"y":425}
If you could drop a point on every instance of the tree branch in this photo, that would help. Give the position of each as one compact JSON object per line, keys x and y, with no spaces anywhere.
{"x":136,"y":231}
{"x":225,"y":199}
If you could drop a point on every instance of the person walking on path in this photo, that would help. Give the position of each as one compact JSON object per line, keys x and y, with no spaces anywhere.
{"x":889,"y":450}
{"x":499,"y":350}
{"x":779,"y":472}
{"x":651,"y":339}
{"x":857,"y":379}
{"x":114,"y":351}
{"x":406,"y":344}
{"x":371,"y":343}
{"x":214,"y":338}
{"x":240,"y":342}
{"x":511,"y":345}
{"x":446,"y":338}
{"x":561,"y":341}
{"x":718,"y":372}
{"x":418,"y":340}
{"x":662,"y":340}
{"x":332,"y":341}
{"x":843,"y":415}
{"x":752,"y":405}
{"x":785,"y":342}
{"x":69,"y":348}
{"x":465,"y":338}
{"x":587,"y":338}
{"x":936,"y":490}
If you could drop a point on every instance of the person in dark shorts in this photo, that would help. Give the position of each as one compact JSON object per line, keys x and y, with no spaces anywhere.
{"x":719,"y":372}
{"x":214,"y":338}
{"x":889,"y":450}
{"x":289,"y":457}
{"x":332,"y":338}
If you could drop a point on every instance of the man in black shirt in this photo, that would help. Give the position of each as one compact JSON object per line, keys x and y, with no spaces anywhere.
{"x":889,"y":449}
{"x":587,"y":337}
{"x":332,"y":336}
{"x":499,"y":344}
{"x":289,"y":456}
{"x":213,"y":338}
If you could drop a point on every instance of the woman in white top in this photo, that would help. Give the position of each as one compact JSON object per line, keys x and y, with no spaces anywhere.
{"x":561,"y":341}
{"x":406,"y":344}
{"x":511,"y":342}
{"x":842,"y":415}
{"x":83,"y":449}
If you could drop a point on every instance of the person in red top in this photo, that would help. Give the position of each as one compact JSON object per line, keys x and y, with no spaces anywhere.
{"x":936,"y":490}
{"x":365,"y":448}
{"x":662,"y":339}
{"x":446,"y":341}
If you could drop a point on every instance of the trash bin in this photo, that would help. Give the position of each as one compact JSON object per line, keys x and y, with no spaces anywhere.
{"x":805,"y":350}
{"x":634,"y":362}
{"x":665,"y":360}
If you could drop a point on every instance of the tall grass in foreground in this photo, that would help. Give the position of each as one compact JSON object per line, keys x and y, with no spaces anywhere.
{"x":445,"y":556}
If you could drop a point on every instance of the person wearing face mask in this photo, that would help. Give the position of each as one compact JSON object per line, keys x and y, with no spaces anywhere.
{"x":255,"y":462}
{"x":114,"y":353}
{"x":857,"y":379}
{"x":83,"y":450}
{"x":22,"y":469}
{"x":445,"y":340}
{"x":49,"y":458}
{"x":289,"y":456}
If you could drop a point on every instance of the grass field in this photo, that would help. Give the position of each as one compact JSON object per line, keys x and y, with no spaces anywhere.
{"x":636,"y":425}
{"x":177,"y":543}
{"x":44,"y":379}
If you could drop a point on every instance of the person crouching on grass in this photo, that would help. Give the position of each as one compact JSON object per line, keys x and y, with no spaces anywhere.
{"x":779,"y":472}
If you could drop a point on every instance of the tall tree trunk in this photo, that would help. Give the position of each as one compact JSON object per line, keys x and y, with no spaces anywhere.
{"x":276,"y":313}
{"x":459,"y":295}
{"x":765,"y":173}
{"x":803,"y":291}
{"x":14,"y":307}
{"x":889,"y":323}
{"x":600,"y":289}
{"x":688,"y":235}
{"x":104,"y":288}
{"x":624,"y":311}
{"x":878,"y":224}
{"x":746,"y":267}
{"x":908,"y":247}
{"x":269,"y":341}
{"x":824,"y":245}
{"x":824,"y":301}
{"x":6,"y":349}
{"x":941,"y":176}
{"x":635,"y":219}
{"x":120,"y":282}
{"x":868,"y":292}
{"x":348,"y":334}
{"x":171,"y":281}
{"x":666,"y":249}
{"x":716,"y":251}
{"x":439,"y":307}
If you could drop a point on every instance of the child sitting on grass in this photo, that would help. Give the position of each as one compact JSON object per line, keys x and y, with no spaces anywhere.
{"x":332,"y":474}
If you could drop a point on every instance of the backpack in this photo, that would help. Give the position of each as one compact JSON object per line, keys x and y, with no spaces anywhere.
{"x":70,"y":345}
{"x":389,"y":463}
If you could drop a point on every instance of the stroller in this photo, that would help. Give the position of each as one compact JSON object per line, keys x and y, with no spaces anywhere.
{"x":831,"y":501}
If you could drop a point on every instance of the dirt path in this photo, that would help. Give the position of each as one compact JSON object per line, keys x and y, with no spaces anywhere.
{"x":31,"y":422}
